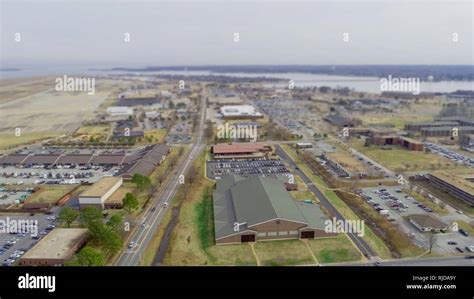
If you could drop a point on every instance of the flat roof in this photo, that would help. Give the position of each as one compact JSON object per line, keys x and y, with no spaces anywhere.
{"x":58,"y":244}
{"x":224,"y":148}
{"x":99,"y":188}
{"x":427,"y":221}
{"x":457,"y":180}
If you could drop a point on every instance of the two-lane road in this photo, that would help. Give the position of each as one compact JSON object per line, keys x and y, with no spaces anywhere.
{"x":152,"y":218}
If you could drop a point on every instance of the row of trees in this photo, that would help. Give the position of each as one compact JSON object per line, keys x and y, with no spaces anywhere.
{"x":105,"y":240}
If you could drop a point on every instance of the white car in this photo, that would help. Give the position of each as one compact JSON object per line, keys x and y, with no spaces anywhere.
{"x":165,"y":205}
{"x":470,"y":248}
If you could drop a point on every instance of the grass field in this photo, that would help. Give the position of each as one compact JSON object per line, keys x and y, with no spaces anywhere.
{"x":10,"y":140}
{"x":101,"y":130}
{"x":283,"y":253}
{"x":156,"y":135}
{"x":334,"y":250}
{"x":399,"y":159}
{"x":49,"y":194}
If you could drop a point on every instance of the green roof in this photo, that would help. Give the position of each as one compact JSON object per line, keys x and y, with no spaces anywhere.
{"x":256,"y":200}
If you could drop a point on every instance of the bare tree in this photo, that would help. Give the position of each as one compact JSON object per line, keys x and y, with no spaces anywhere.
{"x":431,"y":239}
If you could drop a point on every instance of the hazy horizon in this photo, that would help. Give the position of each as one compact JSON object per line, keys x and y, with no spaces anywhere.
{"x":195,"y":33}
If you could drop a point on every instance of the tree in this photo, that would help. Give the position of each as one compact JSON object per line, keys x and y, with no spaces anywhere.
{"x":142,"y":182}
{"x":431,"y":240}
{"x":191,"y":175}
{"x":111,"y":241}
{"x":115,"y":222}
{"x":130,"y":202}
{"x":89,"y":256}
{"x":67,"y":216}
{"x":89,"y":215}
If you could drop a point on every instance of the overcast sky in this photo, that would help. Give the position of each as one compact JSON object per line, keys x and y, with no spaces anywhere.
{"x":91,"y":33}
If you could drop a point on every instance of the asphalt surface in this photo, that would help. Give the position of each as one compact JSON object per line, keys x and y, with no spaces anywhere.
{"x":418,"y":262}
{"x":26,"y":240}
{"x":358,"y":241}
{"x":152,"y":219}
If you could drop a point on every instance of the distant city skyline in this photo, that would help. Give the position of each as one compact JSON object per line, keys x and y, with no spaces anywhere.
{"x":91,"y":33}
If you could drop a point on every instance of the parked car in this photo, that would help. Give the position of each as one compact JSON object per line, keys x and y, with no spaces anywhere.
{"x":463,"y":232}
{"x":459,"y":249}
{"x":452,"y":243}
{"x":470,"y":248}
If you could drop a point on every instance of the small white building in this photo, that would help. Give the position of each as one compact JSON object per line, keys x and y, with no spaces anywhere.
{"x":99,"y":192}
{"x":119,"y":113}
{"x":239,"y":111}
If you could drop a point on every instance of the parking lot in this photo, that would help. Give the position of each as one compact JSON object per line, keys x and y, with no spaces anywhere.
{"x":10,"y":175}
{"x":8,"y":197}
{"x":395,"y":204}
{"x":245,"y":167}
{"x":14,"y":244}
{"x":449,"y":154}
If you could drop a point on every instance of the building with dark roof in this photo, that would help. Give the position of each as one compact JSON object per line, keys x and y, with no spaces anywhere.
{"x":339,"y":120}
{"x":427,"y":223}
{"x":239,"y":150}
{"x":145,"y":161}
{"x":408,"y":143}
{"x":260,"y":208}
{"x":458,"y":185}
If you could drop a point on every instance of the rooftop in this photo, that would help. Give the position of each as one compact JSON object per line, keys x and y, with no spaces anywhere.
{"x":58,"y":244}
{"x":427,"y":221}
{"x":256,"y":200}
{"x":225,"y":148}
{"x":101,"y":187}
{"x":459,"y":181}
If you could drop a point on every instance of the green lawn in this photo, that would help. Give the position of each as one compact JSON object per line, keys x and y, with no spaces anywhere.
{"x":400,"y":159}
{"x":334,"y":250}
{"x":283,"y":253}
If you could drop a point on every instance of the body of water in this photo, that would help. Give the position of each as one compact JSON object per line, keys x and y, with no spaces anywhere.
{"x":363,"y":84}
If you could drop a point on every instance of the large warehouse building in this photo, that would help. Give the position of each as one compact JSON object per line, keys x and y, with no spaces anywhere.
{"x":55,"y":248}
{"x":260,"y":208}
{"x":99,"y":192}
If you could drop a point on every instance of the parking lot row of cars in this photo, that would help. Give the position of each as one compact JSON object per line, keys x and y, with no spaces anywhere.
{"x":20,"y":242}
{"x":449,"y":154}
{"x":245,"y":167}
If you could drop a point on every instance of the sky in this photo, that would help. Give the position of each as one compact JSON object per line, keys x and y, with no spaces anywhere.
{"x":91,"y":33}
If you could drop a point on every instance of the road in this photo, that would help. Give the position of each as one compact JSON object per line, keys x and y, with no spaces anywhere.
{"x":358,"y":241}
{"x":422,"y":262}
{"x":152,"y":219}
